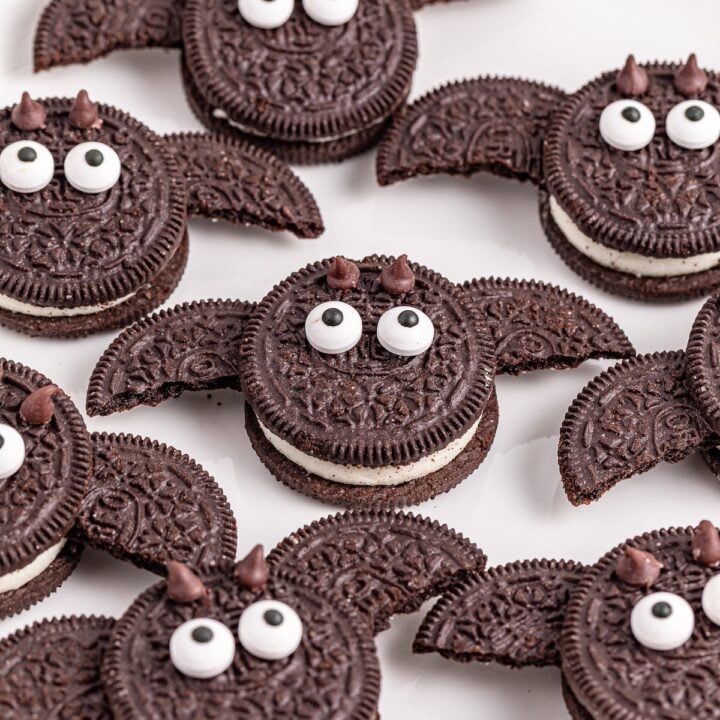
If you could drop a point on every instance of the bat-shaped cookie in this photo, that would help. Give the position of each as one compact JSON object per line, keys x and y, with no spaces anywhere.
{"x":94,"y":209}
{"x":313,"y":81}
{"x":649,"y":409}
{"x":368,"y":383}
{"x":627,"y":167}
{"x":278,"y":639}
{"x":636,"y":635}
{"x":61,"y":488}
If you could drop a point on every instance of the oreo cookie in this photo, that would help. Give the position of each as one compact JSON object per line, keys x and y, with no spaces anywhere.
{"x":52,"y":669}
{"x":312,"y":81}
{"x":636,"y":630}
{"x":626,"y":167}
{"x":646,"y":410}
{"x":62,"y":488}
{"x":368,"y":384}
{"x":104,"y":241}
{"x":260,"y":634}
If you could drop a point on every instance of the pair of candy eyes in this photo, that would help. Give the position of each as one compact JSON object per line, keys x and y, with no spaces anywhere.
{"x":629,"y":125}
{"x":204,"y":648}
{"x":665,"y":621}
{"x":270,"y":14}
{"x":335,"y":327}
{"x":27,"y":166}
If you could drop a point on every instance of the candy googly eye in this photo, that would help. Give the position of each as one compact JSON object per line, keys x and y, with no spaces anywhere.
{"x":12,"y":451}
{"x":266,"y":14}
{"x":693,"y":124}
{"x":26,"y":166}
{"x":331,"y":12}
{"x":711,"y":599}
{"x":270,"y":630}
{"x":405,"y":331}
{"x":92,"y":167}
{"x":202,"y":648}
{"x":333,"y":327}
{"x":662,"y":621}
{"x":627,"y":125}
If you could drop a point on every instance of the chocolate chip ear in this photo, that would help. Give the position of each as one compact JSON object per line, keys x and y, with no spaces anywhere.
{"x":28,"y":114}
{"x":537,"y":326}
{"x":492,"y":125}
{"x":691,"y":80}
{"x":632,"y":80}
{"x":232,"y":180}
{"x":84,"y":113}
{"x":385,"y":562}
{"x":148,"y":503}
{"x":512,"y":615}
{"x":182,"y":584}
{"x":626,"y":421}
{"x":77,"y":31}
{"x":193,"y":346}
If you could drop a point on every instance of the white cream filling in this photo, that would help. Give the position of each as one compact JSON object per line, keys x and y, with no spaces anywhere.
{"x":628,"y":262}
{"x":18,"y":578}
{"x":16,"y":306}
{"x":372,"y":476}
{"x":222,"y":115}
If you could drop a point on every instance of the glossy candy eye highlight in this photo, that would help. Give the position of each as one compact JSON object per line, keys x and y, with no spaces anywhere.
{"x":662,"y":621}
{"x":270,"y":630}
{"x":333,"y":327}
{"x":266,"y":14}
{"x":405,"y":331}
{"x":12,"y":451}
{"x":26,"y":166}
{"x":693,"y":124}
{"x":202,"y":648}
{"x":92,"y":167}
{"x":627,"y":125}
{"x":331,"y":12}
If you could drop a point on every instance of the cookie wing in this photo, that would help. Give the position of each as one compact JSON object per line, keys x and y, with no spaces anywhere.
{"x":384,"y":562}
{"x":51,"y":669}
{"x":193,"y":346}
{"x":232,"y":180}
{"x":149,"y":503}
{"x":703,"y":361}
{"x":77,"y":31}
{"x":512,"y":615}
{"x":626,"y":421}
{"x":495,"y":125}
{"x":537,"y":326}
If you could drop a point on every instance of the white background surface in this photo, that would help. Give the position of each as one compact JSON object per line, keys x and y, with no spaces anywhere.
{"x":513,"y":506}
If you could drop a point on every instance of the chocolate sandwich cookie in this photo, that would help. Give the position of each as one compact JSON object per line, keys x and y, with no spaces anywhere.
{"x":94,"y":209}
{"x":636,"y":635}
{"x":52,"y":670}
{"x":626,"y":167}
{"x":649,"y":409}
{"x":313,"y":81}
{"x":368,"y":383}
{"x":213,"y":644}
{"x":62,"y":488}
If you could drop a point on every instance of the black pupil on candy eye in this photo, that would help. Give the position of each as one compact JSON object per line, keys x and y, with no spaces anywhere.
{"x":694,"y":113}
{"x":273,"y":617}
{"x":27,"y":154}
{"x":2,"y":441}
{"x":631,"y":114}
{"x":332,"y":317}
{"x":202,"y":634}
{"x":408,"y":318}
{"x":662,"y":610}
{"x":94,"y":158}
